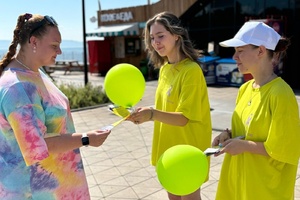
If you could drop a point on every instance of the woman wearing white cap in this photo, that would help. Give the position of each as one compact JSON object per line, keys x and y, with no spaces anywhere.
{"x":264,"y":164}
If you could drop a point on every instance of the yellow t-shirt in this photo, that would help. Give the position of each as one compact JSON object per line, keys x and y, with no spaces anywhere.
{"x":270,"y":115}
{"x":182,"y":88}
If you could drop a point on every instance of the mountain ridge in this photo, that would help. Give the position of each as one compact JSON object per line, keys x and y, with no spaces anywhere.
{"x":4,"y":44}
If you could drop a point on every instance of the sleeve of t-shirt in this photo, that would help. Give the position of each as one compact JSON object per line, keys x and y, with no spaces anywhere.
{"x":193,"y":100}
{"x":25,"y":114}
{"x":284,"y":135}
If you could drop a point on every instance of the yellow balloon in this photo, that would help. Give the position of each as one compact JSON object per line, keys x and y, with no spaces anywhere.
{"x":124,"y":85}
{"x":182,"y":169}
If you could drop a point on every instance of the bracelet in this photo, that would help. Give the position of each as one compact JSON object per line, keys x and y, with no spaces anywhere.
{"x":229,"y":132}
{"x":151,"y":115}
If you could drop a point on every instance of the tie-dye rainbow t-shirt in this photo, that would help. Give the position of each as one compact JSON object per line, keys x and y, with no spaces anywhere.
{"x":31,"y":109}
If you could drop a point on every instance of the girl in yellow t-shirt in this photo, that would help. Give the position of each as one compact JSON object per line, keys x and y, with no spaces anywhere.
{"x":264,"y":165}
{"x":182,"y":110}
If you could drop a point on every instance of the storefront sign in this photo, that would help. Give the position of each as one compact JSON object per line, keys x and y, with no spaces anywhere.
{"x":122,"y":16}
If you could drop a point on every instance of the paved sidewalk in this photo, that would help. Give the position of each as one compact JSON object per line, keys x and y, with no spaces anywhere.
{"x":120,"y":169}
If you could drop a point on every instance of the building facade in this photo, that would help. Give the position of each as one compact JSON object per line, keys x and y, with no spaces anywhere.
{"x":208,"y":22}
{"x":123,"y":30}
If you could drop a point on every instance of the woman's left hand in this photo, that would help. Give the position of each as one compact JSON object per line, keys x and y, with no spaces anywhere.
{"x":233,"y":146}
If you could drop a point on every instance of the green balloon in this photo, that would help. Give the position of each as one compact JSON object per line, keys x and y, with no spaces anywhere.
{"x":182,"y":169}
{"x":124,"y":85}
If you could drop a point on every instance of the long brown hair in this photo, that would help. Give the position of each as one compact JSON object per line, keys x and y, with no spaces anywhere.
{"x":174,"y":26}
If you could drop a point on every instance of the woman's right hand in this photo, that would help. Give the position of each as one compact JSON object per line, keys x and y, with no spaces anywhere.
{"x":141,"y":115}
{"x":98,"y":137}
{"x":67,"y":142}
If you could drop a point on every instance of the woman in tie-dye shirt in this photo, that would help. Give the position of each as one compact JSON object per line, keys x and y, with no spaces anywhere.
{"x":39,"y":148}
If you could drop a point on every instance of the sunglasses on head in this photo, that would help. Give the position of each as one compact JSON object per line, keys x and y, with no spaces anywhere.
{"x":47,"y":20}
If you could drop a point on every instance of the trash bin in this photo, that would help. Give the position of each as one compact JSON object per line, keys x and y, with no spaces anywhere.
{"x":227,"y":73}
{"x":208,"y":64}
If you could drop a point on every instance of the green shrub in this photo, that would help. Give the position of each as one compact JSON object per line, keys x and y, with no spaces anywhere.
{"x":84,"y":96}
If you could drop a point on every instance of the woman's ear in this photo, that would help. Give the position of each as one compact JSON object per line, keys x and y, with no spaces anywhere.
{"x":261,"y":50}
{"x":32,"y":40}
{"x":32,"y":43}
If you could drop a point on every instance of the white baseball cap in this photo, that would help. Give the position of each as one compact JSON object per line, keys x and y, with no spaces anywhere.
{"x":255,"y":33}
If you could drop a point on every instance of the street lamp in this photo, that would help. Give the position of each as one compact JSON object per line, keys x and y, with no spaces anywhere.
{"x":84,"y":46}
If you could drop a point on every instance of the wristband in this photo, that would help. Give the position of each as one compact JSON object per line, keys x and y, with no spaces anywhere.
{"x":151,"y":115}
{"x":85,"y":139}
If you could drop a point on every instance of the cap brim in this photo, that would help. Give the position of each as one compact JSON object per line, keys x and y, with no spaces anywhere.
{"x":232,"y":43}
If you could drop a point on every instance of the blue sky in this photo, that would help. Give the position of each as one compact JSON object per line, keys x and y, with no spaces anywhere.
{"x":67,"y":13}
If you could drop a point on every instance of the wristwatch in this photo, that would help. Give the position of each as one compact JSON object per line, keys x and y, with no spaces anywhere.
{"x":85,"y":139}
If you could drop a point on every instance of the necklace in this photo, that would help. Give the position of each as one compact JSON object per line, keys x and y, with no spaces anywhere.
{"x":250,"y":101}
{"x":23,"y":64}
